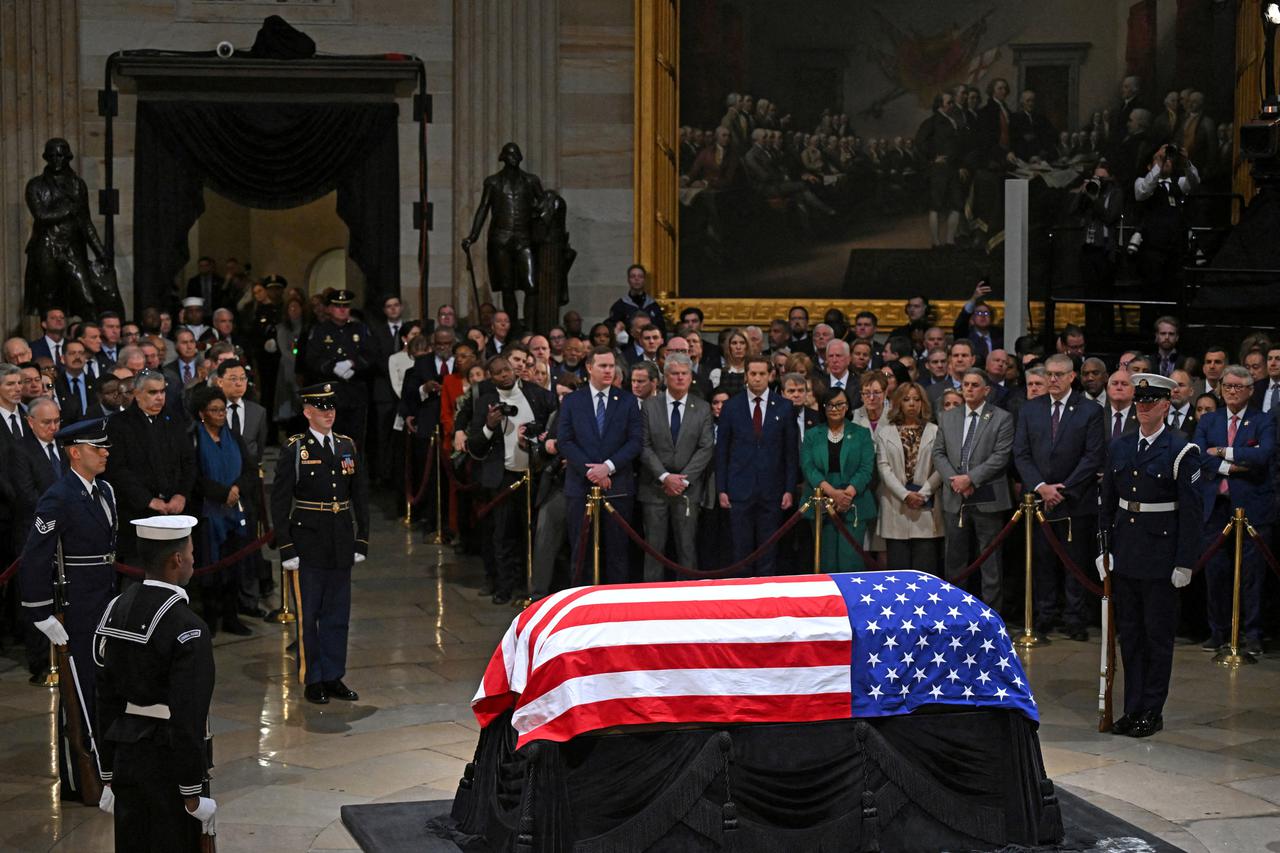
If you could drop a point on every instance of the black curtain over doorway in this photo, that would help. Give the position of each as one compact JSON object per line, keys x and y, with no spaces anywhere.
{"x":264,"y":155}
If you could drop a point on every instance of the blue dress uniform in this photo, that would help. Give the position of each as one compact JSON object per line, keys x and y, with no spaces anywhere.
{"x":331,"y":344}
{"x":1151,"y":509}
{"x":70,"y":515}
{"x":155,"y":667}
{"x":316,"y":496}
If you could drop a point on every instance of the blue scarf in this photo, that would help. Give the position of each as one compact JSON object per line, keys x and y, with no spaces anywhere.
{"x":219,"y":461}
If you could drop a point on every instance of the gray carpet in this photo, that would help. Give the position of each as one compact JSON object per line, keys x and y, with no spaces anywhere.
{"x":401,"y":828}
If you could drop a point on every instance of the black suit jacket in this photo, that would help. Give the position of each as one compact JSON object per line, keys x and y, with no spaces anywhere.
{"x":413,"y":403}
{"x":148,"y":460}
{"x":490,"y":451}
{"x":384,"y":346}
{"x":31,"y":474}
{"x":70,"y":403}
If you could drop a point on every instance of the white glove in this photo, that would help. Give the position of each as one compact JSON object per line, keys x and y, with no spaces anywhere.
{"x":290,"y":565}
{"x":1181,"y":577}
{"x":360,"y":558}
{"x":53,"y":629}
{"x":271,"y":345}
{"x":107,"y":802}
{"x":204,"y":813}
{"x":344,"y":369}
{"x":1102,"y":570}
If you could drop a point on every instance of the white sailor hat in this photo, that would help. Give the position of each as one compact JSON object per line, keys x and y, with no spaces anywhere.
{"x":1149,"y":387}
{"x":193,"y":302}
{"x":164,"y":528}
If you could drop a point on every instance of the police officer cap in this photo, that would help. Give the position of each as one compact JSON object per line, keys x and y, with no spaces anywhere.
{"x":341,"y":297}
{"x":193,"y":302}
{"x":92,"y":432}
{"x":1150,"y":387}
{"x":164,"y":528}
{"x":275,"y":281}
{"x":319,"y":396}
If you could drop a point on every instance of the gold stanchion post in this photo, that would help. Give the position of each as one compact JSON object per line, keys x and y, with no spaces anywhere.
{"x":284,"y":615}
{"x":1233,"y":658}
{"x":438,"y":538}
{"x":1028,"y":638}
{"x":819,"y":505}
{"x":51,"y":674}
{"x":407,"y":521}
{"x":527,"y":599}
{"x":597,"y":500}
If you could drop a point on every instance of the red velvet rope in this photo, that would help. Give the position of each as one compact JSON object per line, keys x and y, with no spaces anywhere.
{"x":230,"y":559}
{"x":731,"y":569}
{"x":870,"y":559}
{"x":1262,"y":546}
{"x":1056,"y":545}
{"x":460,"y":485}
{"x":427,"y":467}
{"x":7,"y":574}
{"x":1213,"y":549}
{"x":504,"y":495}
{"x":988,"y":551}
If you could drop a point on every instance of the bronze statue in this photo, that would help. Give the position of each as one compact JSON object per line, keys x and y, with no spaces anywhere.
{"x":58,"y":269}
{"x":516,"y":199}
{"x":555,"y":257}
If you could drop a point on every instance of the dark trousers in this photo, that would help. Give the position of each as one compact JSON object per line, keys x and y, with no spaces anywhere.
{"x":918,"y":554}
{"x":713,"y":538}
{"x":324,"y":613}
{"x":382,"y":448}
{"x":615,"y":561}
{"x":1220,"y":577}
{"x":506,"y":531}
{"x":1145,"y":619}
{"x":150,"y":814}
{"x":1052,"y":581}
{"x":751,"y":523}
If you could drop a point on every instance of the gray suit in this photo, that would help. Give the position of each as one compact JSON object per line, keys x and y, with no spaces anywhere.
{"x":983,"y":512}
{"x":253,"y":427}
{"x":692,"y":455}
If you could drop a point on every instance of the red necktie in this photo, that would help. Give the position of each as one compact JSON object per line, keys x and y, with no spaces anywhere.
{"x":757,"y":419}
{"x":444,"y":367}
{"x":1057,"y":416}
{"x":1232,"y":425}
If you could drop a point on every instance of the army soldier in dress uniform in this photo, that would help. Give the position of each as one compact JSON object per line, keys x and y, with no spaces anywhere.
{"x":1152,"y":510}
{"x":319,"y":491}
{"x":154,"y":659}
{"x":74,"y":537}
{"x":340,"y":352}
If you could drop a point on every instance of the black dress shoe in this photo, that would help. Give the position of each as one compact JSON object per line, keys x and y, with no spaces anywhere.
{"x":255,"y":612}
{"x":1123,"y":725}
{"x":315,"y":694}
{"x":232,"y":625}
{"x":338,"y":690}
{"x":1080,"y":635}
{"x":501,"y":598}
{"x":36,"y":679}
{"x":1214,"y":643}
{"x":1147,"y":725}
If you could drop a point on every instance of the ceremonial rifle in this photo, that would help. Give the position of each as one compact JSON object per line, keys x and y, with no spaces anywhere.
{"x":1107,"y":666}
{"x":69,"y":699}
{"x":208,"y":840}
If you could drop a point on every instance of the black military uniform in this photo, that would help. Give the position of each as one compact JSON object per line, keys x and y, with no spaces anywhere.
{"x":154,"y":659}
{"x":343,"y":356}
{"x":1152,"y":510}
{"x":318,"y":492}
{"x":80,"y":518}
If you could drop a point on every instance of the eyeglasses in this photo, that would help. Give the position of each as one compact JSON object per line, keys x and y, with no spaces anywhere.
{"x":1233,"y":386}
{"x":1057,"y":374}
{"x":216,"y":410}
{"x":982,"y":313}
{"x":835,"y":407}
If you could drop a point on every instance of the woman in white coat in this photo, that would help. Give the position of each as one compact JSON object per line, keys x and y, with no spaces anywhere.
{"x":910,"y":518}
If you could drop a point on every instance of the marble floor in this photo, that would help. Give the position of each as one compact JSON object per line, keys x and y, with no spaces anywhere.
{"x":420,"y":638}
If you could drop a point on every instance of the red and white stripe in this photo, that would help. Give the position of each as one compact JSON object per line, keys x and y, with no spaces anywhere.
{"x":726,"y":651}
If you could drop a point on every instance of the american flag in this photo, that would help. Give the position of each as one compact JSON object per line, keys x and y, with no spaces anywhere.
{"x":757,"y":650}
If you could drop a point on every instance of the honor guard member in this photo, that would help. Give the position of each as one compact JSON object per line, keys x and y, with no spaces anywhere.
{"x":340,"y":352}
{"x":154,"y":659}
{"x":320,"y":506}
{"x":1151,"y":508}
{"x":68,"y":577}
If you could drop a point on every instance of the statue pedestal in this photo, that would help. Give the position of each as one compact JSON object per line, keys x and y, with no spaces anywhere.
{"x":542,"y":307}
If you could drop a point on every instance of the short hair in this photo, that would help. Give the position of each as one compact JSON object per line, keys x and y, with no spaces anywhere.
{"x":44,"y":315}
{"x":829,"y":394}
{"x":465,"y":343}
{"x":1238,"y":372}
{"x":650,"y":369}
{"x":1061,"y":358}
{"x":156,"y":553}
{"x":40,"y":402}
{"x":446,"y":330}
{"x":202,"y":396}
{"x":694,"y":310}
{"x":1215,"y":348}
{"x":757,"y":359}
{"x":183,"y":330}
{"x":127,"y":352}
{"x":868,"y":315}
{"x":1093,"y":359}
{"x":676,"y":359}
{"x":871,"y":377}
{"x":980,"y":373}
{"x":142,"y":377}
{"x":788,"y":378}
{"x":960,"y":342}
{"x":229,"y":365}
{"x":568,"y":379}
{"x":838,"y":344}
{"x":637,"y":267}
{"x":7,"y":369}
{"x":1038,"y":370}
{"x":899,"y":344}
{"x":1166,"y":320}
{"x":223,"y":312}
{"x":860,"y":342}
{"x":798,"y":308}
{"x":597,"y":351}
{"x":1071,"y":330}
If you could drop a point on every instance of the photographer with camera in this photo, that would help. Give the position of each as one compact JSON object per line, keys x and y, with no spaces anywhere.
{"x":504,"y":411}
{"x":1098,"y":203}
{"x":1161,"y":194}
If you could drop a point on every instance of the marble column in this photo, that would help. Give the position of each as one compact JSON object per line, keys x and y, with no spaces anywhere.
{"x":39,"y":98}
{"x":505,"y":60}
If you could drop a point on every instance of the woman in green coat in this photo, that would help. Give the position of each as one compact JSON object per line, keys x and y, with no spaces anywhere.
{"x":839,"y":457}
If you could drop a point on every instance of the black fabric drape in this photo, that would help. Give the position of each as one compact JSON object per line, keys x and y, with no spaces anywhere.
{"x":926,"y":781}
{"x":270,"y":156}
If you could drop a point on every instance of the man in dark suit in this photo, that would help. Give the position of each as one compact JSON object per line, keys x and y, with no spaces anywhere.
{"x":420,"y":406}
{"x":152,"y":463}
{"x":691,"y":319}
{"x":975,"y":323}
{"x":73,"y":386}
{"x":994,"y":137}
{"x":248,"y":420}
{"x":600,"y":435}
{"x":49,"y":345}
{"x":757,"y":460}
{"x":679,"y":449}
{"x":1182,"y":412}
{"x":497,"y":438}
{"x":1120,"y":416}
{"x":386,"y":342}
{"x":206,"y":283}
{"x":1235,"y":472}
{"x":1059,"y":452}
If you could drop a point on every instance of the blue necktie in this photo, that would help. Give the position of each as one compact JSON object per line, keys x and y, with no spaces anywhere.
{"x":53,"y":460}
{"x":675,"y":421}
{"x":600,"y":412}
{"x":79,"y":394}
{"x":1275,"y":398}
